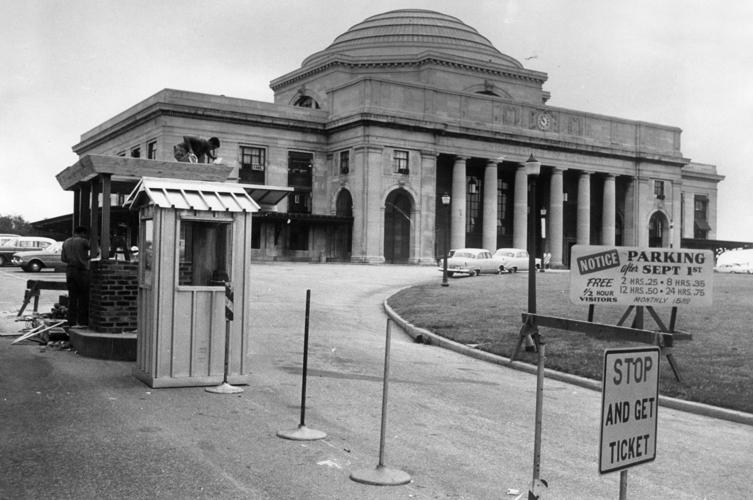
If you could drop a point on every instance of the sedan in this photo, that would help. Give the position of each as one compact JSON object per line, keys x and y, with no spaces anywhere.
{"x":513,"y":260}
{"x":34,"y":261}
{"x":470,"y":261}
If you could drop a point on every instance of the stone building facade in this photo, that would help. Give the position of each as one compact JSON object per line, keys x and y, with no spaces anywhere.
{"x":411,"y":104}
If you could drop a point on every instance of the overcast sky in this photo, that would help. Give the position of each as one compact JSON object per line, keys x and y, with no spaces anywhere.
{"x":67,"y":66}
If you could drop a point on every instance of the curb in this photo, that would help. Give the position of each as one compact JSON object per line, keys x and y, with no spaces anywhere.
{"x":428,"y":337}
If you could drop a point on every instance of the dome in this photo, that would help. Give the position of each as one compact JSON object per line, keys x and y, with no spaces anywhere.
{"x":405,"y":34}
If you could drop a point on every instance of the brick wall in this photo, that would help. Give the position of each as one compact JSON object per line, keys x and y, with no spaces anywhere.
{"x":113,"y":296}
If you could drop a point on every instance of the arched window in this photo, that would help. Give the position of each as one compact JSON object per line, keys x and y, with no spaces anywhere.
{"x":306,"y":101}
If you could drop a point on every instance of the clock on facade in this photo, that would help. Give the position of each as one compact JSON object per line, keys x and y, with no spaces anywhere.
{"x":544,"y":121}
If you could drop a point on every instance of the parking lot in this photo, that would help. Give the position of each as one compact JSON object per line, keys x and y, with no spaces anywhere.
{"x":462,"y":428}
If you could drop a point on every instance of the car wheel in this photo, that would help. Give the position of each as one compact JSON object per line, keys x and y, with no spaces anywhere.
{"x":34,"y":266}
{"x":474,"y":272}
{"x":450,"y":274}
{"x":501,"y":269}
{"x":513,"y":270}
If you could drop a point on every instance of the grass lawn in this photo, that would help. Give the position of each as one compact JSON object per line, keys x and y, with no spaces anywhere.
{"x":716,"y":366}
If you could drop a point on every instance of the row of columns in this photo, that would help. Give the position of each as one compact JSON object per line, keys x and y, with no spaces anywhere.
{"x":520,"y":209}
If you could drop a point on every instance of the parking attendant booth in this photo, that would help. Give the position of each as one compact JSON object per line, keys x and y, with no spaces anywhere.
{"x":194,"y":238}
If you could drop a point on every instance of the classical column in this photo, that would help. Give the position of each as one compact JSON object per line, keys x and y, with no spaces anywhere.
{"x":556,"y":210}
{"x":608,"y":212}
{"x":457,"y":205}
{"x":426,"y":213}
{"x":584,"y":209}
{"x":629,"y":235}
{"x":520,"y":209}
{"x":489,"y":236}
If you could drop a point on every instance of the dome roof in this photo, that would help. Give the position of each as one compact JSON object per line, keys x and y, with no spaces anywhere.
{"x":405,"y":34}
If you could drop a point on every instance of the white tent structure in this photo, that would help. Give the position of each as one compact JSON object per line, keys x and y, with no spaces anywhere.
{"x":735,"y":261}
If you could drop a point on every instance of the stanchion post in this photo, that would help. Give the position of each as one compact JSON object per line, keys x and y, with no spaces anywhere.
{"x":225,"y":387}
{"x":303,"y":433}
{"x":383,"y":476}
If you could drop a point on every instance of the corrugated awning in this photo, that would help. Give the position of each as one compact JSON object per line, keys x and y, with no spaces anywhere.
{"x":191,"y":195}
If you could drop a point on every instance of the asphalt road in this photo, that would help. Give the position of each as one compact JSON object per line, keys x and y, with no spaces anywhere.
{"x":73,"y":427}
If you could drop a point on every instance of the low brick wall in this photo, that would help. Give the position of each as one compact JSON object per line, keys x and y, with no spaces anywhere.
{"x":113,"y":301}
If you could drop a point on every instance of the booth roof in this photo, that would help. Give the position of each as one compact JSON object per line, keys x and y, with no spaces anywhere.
{"x":191,"y":195}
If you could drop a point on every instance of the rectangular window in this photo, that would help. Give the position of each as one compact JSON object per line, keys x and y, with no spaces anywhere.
{"x":203,"y":253}
{"x":503,"y":197}
{"x":701,"y":226}
{"x":151,"y":150}
{"x":136,"y":152}
{"x":344,"y":162}
{"x":146,"y":250}
{"x":256,"y":233}
{"x":473,"y":206}
{"x":300,"y":173}
{"x":253,"y":165}
{"x":400,"y":162}
{"x":659,"y":189}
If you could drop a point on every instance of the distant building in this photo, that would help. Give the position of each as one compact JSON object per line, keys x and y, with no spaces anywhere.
{"x":411,"y":104}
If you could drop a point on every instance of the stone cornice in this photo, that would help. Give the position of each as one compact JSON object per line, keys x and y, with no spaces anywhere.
{"x":518,"y":137}
{"x":428,"y":58}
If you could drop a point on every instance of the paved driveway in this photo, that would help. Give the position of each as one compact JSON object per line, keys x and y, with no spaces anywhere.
{"x":463,"y":428}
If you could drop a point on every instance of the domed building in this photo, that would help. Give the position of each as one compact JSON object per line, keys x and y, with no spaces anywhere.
{"x":402,"y":108}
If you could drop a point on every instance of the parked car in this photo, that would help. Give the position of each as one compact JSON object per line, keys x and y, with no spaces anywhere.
{"x":5,"y":237}
{"x":22,"y":244}
{"x":513,"y":260}
{"x":34,"y":261}
{"x":470,"y":261}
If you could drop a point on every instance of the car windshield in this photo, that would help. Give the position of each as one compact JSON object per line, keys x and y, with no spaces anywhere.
{"x":55,"y":247}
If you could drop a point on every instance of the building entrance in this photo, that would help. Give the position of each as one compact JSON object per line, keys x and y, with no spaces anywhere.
{"x":397,"y":227}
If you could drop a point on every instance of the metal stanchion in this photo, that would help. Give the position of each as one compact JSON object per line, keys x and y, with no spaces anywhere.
{"x":303,"y":433}
{"x":381,"y":475}
{"x":225,"y":387}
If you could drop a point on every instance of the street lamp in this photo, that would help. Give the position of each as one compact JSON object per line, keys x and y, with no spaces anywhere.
{"x":446,"y":203}
{"x":532,"y":169}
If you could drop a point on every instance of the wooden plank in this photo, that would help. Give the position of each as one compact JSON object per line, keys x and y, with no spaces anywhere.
{"x":599,"y":330}
{"x":135,"y":168}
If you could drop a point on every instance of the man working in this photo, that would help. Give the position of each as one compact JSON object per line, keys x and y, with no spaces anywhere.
{"x":76,"y":256}
{"x":196,"y":150}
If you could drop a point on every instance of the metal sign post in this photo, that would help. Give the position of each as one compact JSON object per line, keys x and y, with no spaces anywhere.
{"x":383,"y":476}
{"x":225,"y":387}
{"x":303,"y":433}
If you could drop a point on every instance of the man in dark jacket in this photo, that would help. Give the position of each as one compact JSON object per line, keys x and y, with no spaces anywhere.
{"x":196,"y":150}
{"x":76,"y":256}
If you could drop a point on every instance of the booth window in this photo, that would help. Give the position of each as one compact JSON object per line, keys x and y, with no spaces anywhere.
{"x":203,"y":253}
{"x":146,"y":253}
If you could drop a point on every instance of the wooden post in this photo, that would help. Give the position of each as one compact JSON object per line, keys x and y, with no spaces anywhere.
{"x":105,"y":232}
